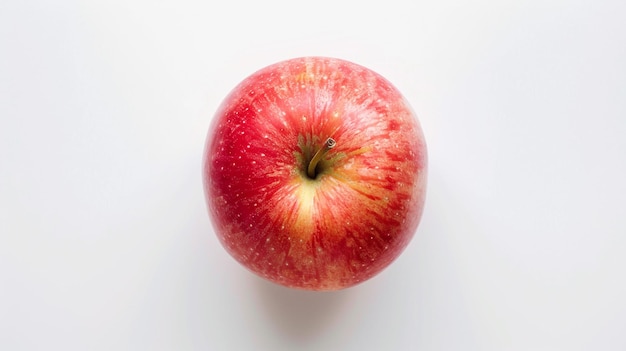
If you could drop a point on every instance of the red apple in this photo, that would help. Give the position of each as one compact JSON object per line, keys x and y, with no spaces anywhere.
{"x":315,"y":173}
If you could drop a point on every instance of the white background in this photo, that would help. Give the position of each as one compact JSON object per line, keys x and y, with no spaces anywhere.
{"x":105,"y":243}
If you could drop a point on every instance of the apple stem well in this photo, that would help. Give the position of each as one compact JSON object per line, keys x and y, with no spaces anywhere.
{"x":328,"y":144}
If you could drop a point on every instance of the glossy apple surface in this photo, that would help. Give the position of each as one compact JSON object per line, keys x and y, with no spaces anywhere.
{"x":359,"y":208}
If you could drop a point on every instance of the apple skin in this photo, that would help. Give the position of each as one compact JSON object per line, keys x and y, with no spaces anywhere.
{"x":365,"y":202}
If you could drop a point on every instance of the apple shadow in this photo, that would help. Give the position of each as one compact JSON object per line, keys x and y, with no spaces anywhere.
{"x":300,"y":315}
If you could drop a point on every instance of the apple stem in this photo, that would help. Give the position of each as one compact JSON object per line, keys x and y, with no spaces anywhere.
{"x":329,"y":144}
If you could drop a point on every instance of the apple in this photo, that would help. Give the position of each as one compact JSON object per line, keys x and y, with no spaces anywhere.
{"x":314,"y":173}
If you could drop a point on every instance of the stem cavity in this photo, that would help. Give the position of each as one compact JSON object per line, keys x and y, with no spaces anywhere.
{"x":329,"y":144}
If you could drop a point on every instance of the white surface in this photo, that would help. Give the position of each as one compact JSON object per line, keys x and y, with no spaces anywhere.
{"x":104,"y":239}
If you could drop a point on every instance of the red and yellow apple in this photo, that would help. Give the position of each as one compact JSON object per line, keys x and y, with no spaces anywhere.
{"x":315,"y":173}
